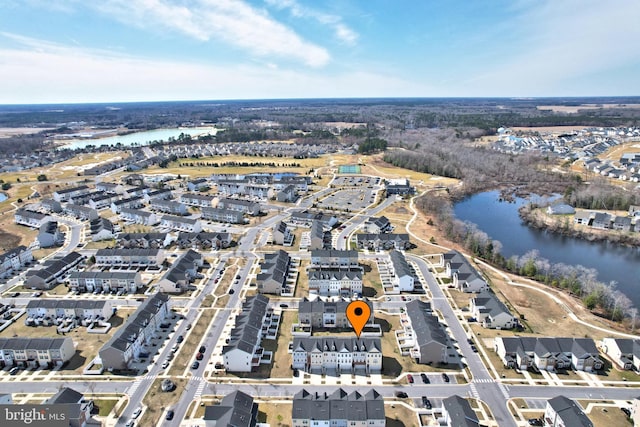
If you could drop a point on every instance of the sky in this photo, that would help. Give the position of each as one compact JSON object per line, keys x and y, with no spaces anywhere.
{"x":68,"y":51}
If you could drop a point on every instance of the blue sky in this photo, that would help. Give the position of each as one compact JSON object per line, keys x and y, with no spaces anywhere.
{"x":153,"y":50}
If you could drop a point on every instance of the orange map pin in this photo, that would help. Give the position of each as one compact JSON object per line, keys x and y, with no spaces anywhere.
{"x":358,"y":313}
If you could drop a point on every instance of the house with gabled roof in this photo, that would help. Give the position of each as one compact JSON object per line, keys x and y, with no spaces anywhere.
{"x":179,"y":223}
{"x":196,"y":199}
{"x":144,"y":240}
{"x":377,"y":225}
{"x":138,"y":216}
{"x":491,"y":312}
{"x":422,"y":336}
{"x":179,"y":276}
{"x":243,"y":352}
{"x":281,"y":234}
{"x":236,"y":409}
{"x":335,"y":281}
{"x":338,"y":409}
{"x":624,"y":352}
{"x":78,"y":408}
{"x":222,"y":215}
{"x":320,"y":314}
{"x":204,"y":240}
{"x":14,"y":259}
{"x":31,"y":218}
{"x":403,"y":277}
{"x":48,"y":275}
{"x":36,"y":352}
{"x":337,"y":354}
{"x":274,"y":271}
{"x":464,"y":276}
{"x":169,"y":206}
{"x":457,"y":412}
{"x":564,"y":412}
{"x":66,"y":194}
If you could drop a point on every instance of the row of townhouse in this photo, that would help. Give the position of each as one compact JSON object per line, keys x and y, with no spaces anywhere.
{"x":159,"y":194}
{"x":30,"y":218}
{"x":335,"y":281}
{"x":316,"y":236}
{"x":144,"y":240}
{"x":110,"y":187}
{"x":491,"y":312}
{"x":170,"y":207}
{"x":83,"y":213}
{"x":422,"y":336}
{"x":245,"y":206}
{"x":129,"y":257}
{"x":50,"y":235}
{"x":329,"y":258}
{"x":195,"y":199}
{"x":628,"y":170}
{"x":178,"y":223}
{"x":287,"y":194}
{"x":138,"y":216}
{"x":105,"y":281}
{"x":281,"y":234}
{"x":14,"y":260}
{"x":606,"y":221}
{"x":624,"y":352}
{"x":102,"y":229}
{"x":199,"y":184}
{"x":65,"y":194}
{"x":245,"y":187}
{"x":129,"y":341}
{"x":387,"y":241}
{"x":548,"y":354}
{"x":52,"y":272}
{"x":305,"y":219}
{"x":204,"y":240}
{"x":132,"y":202}
{"x":561,"y":411}
{"x":338,"y":409}
{"x":222,"y":215}
{"x":51,"y":205}
{"x":319,"y":314}
{"x":340,"y":355}
{"x":377,"y":225}
{"x":274,"y":272}
{"x":101,"y":201}
{"x":36,"y":352}
{"x":403,"y":277}
{"x":179,"y":276}
{"x":464,"y":276}
{"x":66,"y":308}
{"x":244,"y":352}
{"x":84,"y":198}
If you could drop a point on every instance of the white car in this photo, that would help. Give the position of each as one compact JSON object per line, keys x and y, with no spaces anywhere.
{"x":137,"y":412}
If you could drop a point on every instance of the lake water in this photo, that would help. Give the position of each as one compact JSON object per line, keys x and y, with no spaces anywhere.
{"x":501,"y":221}
{"x":3,"y":197}
{"x":141,"y":138}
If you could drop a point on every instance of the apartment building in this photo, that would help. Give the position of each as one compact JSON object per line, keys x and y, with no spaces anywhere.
{"x":338,"y":409}
{"x":274,"y":271}
{"x":14,"y":260}
{"x":340,"y":355}
{"x":36,"y":352}
{"x":328,"y":258}
{"x":48,"y":275}
{"x":222,"y":215}
{"x":335,"y":281}
{"x":195,"y":199}
{"x":129,"y":257}
{"x":107,"y":281}
{"x":321,"y":314}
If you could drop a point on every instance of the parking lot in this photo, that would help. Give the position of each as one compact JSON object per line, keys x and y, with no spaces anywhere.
{"x":349,"y":200}
{"x":356,"y":181}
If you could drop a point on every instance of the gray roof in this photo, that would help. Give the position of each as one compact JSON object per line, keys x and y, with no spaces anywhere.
{"x":65,"y":304}
{"x":66,"y":395}
{"x":331,"y":253}
{"x":460,"y":412}
{"x":235,"y":410}
{"x":12,"y":253}
{"x":179,"y":219}
{"x":330,"y":343}
{"x":492,"y":305}
{"x":425,"y":325}
{"x":179,"y":269}
{"x":460,"y":265}
{"x":72,"y":189}
{"x":335,"y":273}
{"x":569,"y":411}
{"x":120,"y":275}
{"x":32,"y":343}
{"x":125,"y":252}
{"x":137,"y":212}
{"x":25,"y":213}
{"x":246,"y":332}
{"x":400,"y":265}
{"x":338,"y":405}
{"x":320,"y":306}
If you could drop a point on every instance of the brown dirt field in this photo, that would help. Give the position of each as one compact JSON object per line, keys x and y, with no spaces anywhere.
{"x":274,"y":414}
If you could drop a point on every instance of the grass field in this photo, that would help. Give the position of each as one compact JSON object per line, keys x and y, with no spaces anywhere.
{"x":275,"y":414}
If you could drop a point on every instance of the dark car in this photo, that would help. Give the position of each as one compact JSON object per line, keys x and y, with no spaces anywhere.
{"x":231,"y":291}
{"x":195,"y":365}
{"x":401,"y":394}
{"x":410,"y":378}
{"x":284,"y":305}
{"x":180,"y":338}
{"x":199,"y":356}
{"x":626,"y":411}
{"x":170,"y":415}
{"x":219,"y":365}
{"x":238,"y":277}
{"x":202,"y":349}
{"x":188,"y":326}
{"x":534,"y":421}
{"x":425,"y":402}
{"x":425,"y":378}
{"x":474,"y":348}
{"x":445,"y":377}
{"x":15,"y":294}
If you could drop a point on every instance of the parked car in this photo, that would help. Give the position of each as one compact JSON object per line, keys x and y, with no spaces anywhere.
{"x":165,"y":364}
{"x":219,"y":365}
{"x":170,"y":415}
{"x":535,"y":422}
{"x":425,"y":378}
{"x":14,"y":370}
{"x":474,"y":348}
{"x":130,"y":423}
{"x":199,"y":356}
{"x":195,"y":365}
{"x":410,"y":378}
{"x":626,"y":411}
{"x":284,"y":305}
{"x":202,"y":349}
{"x":180,"y":339}
{"x":445,"y":377}
{"x":401,"y":395}
{"x":426,"y":403}
{"x":137,"y":412}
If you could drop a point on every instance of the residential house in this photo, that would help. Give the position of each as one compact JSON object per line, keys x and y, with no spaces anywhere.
{"x":338,"y":409}
{"x":67,"y":193}
{"x":287,"y":194}
{"x":31,"y":218}
{"x":138,"y":216}
{"x":403,"y":277}
{"x":102,"y":229}
{"x":160,"y":194}
{"x":51,"y":205}
{"x":306,"y":218}
{"x":274,"y":271}
{"x":129,"y":257}
{"x":110,"y":187}
{"x":78,"y":408}
{"x":564,"y":412}
{"x":337,"y":354}
{"x":107,"y":281}
{"x":583,"y":218}
{"x":204,"y":240}
{"x":102,"y":201}
{"x":491,"y":312}
{"x":81,"y":212}
{"x":52,"y":272}
{"x":130,"y":340}
{"x":335,"y":281}
{"x":464,"y":276}
{"x":132,"y":202}
{"x":67,"y":308}
{"x":281,"y":234}
{"x":245,"y":206}
{"x":84,"y":198}
{"x":328,"y":258}
{"x":189,"y":225}
{"x":36,"y":352}
{"x":144,"y":240}
{"x":622,"y":223}
{"x":624,"y":352}
{"x":195,"y":199}
{"x":378,"y":242}
{"x":200,"y":184}
{"x":236,"y":409}
{"x":169,"y":206}
{"x":457,"y":412}
{"x":50,"y":235}
{"x":548,"y":354}
{"x":222,"y":215}
{"x":179,"y":276}
{"x":377,"y":225}
{"x":422,"y":336}
{"x":316,"y":236}
{"x":14,"y":259}
{"x":243,"y":352}
{"x":602,"y":221}
{"x":321,"y":314}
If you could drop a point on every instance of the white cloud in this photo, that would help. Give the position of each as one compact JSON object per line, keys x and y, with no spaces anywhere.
{"x":341,"y":30}
{"x":45,"y":72}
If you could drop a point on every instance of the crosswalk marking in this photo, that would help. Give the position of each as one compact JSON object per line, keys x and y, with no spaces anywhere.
{"x":474,"y":391}
{"x":483,"y":380}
